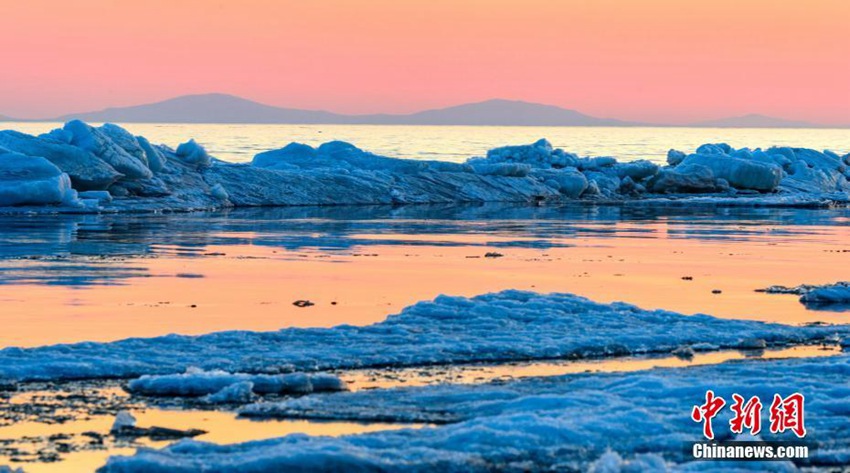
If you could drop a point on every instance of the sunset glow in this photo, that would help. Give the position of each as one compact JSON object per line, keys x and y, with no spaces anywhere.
{"x":655,"y":60}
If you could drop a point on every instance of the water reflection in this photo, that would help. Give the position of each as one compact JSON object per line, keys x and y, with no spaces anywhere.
{"x":86,"y":250}
{"x":67,"y":278}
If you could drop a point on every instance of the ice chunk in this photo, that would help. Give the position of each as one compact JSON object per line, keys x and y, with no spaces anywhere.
{"x":675,"y":157}
{"x":637,"y":170}
{"x":339,"y":155}
{"x":237,"y":393}
{"x":87,"y":171}
{"x":31,"y":180}
{"x":123,"y":420}
{"x":125,"y":140}
{"x":568,"y":181}
{"x":325,"y":382}
{"x":838,"y":293}
{"x":607,"y":184}
{"x":196,"y":383}
{"x":596,"y":164}
{"x":739,"y":173}
{"x":100,"y":196}
{"x":194,"y":154}
{"x":502,"y":169}
{"x":539,"y":154}
{"x":686,"y":178}
{"x":154,"y":156}
{"x":98,"y":143}
{"x":291,"y":156}
{"x":219,"y":192}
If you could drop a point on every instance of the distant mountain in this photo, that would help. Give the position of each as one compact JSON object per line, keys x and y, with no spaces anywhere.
{"x":755,"y":120}
{"x":208,"y":108}
{"x":222,"y":108}
{"x":499,"y":112}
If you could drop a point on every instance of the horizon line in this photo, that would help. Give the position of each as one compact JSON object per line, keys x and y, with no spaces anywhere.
{"x":703,"y":123}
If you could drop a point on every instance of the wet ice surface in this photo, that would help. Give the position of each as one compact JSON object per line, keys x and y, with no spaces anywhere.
{"x":73,"y":278}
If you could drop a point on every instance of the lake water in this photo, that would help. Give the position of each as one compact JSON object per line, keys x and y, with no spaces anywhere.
{"x":239,"y":143}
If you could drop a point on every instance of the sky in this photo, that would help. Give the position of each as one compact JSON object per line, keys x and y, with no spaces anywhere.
{"x":665,"y":61}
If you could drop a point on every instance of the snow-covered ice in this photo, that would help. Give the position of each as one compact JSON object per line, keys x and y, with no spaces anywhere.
{"x":838,"y":293}
{"x":237,"y":393}
{"x":195,"y":383}
{"x":509,"y":325}
{"x":568,"y":423}
{"x":145,"y":177}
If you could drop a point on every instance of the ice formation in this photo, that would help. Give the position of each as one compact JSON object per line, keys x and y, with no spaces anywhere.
{"x":573,"y":423}
{"x":26,"y":180}
{"x":140,"y":176}
{"x":237,"y":393}
{"x":509,"y":325}
{"x":123,"y":420}
{"x":838,"y":293}
{"x":195,"y":383}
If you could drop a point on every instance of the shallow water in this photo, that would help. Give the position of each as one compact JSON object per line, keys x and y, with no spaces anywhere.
{"x":74,"y":278}
{"x":486,"y":372}
{"x":239,"y":143}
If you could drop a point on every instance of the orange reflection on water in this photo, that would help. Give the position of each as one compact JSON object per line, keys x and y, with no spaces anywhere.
{"x":221,"y":427}
{"x":253,"y":287}
{"x":473,"y":374}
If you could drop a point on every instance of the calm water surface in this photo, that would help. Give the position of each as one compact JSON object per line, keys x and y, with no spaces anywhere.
{"x":105,"y":277}
{"x":239,"y":143}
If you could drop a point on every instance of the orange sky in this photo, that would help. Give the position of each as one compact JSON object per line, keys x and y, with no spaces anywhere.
{"x":651,"y":60}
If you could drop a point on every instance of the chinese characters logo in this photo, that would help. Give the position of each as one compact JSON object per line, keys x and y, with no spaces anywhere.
{"x":786,"y":414}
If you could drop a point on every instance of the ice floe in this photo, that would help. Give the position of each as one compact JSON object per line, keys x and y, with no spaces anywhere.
{"x":195,"y":383}
{"x":599,"y":422}
{"x":509,"y":325}
{"x":838,"y":293}
{"x":145,"y":177}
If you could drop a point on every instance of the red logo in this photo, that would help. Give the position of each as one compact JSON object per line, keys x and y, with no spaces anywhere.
{"x":746,"y":415}
{"x":706,"y":412}
{"x":786,"y":414}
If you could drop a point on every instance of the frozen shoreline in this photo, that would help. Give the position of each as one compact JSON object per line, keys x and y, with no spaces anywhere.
{"x":84,"y":169}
